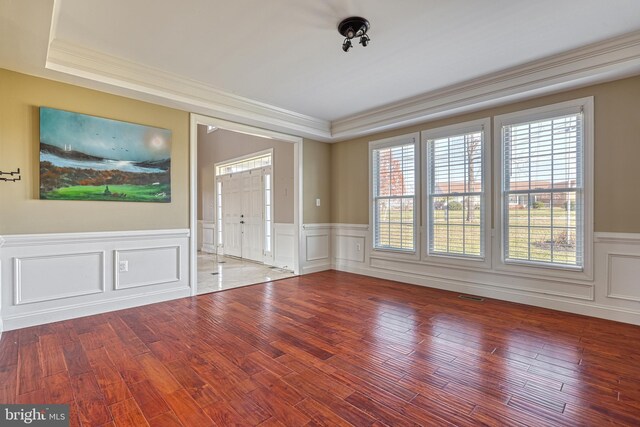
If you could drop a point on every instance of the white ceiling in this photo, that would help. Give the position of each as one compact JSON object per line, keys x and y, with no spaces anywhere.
{"x":224,"y":57}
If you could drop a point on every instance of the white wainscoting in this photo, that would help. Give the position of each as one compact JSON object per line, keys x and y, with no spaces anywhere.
{"x":284,"y":236}
{"x":208,"y":237}
{"x":316,"y":248}
{"x":50,"y":277}
{"x":64,"y":271}
{"x":613,"y":294}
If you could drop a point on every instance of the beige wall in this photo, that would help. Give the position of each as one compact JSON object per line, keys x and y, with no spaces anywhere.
{"x":316,"y":182}
{"x":20,"y":209}
{"x":335,"y":173}
{"x":223,"y":145}
{"x":617,"y":156}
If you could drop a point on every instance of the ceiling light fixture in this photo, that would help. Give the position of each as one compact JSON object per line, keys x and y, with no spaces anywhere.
{"x":354,"y":26}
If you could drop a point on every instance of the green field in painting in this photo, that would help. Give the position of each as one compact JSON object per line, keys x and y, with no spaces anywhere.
{"x":120,"y":193}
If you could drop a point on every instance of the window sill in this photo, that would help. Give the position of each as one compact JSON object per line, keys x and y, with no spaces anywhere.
{"x":541,"y":271}
{"x":394,"y":254}
{"x":457,"y":261}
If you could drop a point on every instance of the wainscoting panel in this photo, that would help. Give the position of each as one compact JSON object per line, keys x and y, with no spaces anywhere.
{"x":316,"y":248}
{"x":50,"y":277}
{"x":350,"y":244}
{"x":283,"y":245}
{"x":208,"y":237}
{"x":349,"y":248}
{"x":147,"y":266}
{"x":624,"y":277}
{"x":618,"y":269}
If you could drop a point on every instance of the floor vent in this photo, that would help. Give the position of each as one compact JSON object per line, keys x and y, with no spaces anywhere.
{"x":471,"y":297}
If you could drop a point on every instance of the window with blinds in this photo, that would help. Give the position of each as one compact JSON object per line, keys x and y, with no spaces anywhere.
{"x":543,"y":191}
{"x":393,"y":189}
{"x":455,"y":194}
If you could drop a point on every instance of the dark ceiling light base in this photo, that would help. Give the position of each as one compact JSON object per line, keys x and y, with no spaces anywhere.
{"x":354,"y":26}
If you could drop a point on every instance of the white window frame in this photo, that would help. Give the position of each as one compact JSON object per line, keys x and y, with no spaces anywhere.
{"x":241,"y":160}
{"x":413,"y":138}
{"x":584,"y":105}
{"x":218,"y":212}
{"x":268,"y":171}
{"x":481,"y":125}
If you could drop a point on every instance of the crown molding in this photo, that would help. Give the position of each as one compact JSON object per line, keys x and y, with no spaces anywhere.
{"x":196,"y":96}
{"x":604,"y":61}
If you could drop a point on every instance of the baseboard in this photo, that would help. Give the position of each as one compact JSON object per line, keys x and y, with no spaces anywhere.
{"x":315,"y":268}
{"x":87,"y":309}
{"x":585,"y":308}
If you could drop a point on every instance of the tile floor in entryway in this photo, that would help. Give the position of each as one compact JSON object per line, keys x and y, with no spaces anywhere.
{"x":233,"y":273}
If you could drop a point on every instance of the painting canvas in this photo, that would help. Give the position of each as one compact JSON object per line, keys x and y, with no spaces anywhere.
{"x":91,"y":158}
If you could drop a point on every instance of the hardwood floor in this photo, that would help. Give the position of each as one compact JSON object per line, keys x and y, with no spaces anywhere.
{"x":329,"y":349}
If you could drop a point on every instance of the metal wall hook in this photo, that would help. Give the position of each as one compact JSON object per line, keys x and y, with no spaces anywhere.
{"x":16,"y":172}
{"x":12,"y":173}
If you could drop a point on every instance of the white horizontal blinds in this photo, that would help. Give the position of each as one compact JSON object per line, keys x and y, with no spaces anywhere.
{"x":456,"y":195}
{"x":543,"y":198}
{"x":394,"y":197}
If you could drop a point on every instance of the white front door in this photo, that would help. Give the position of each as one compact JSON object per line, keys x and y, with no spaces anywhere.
{"x":252,"y":211}
{"x":231,"y":212}
{"x":242,"y":212}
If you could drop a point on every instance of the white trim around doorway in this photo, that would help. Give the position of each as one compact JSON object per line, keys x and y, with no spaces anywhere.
{"x":197,"y":119}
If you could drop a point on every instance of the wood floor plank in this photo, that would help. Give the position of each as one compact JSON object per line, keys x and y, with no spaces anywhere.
{"x":58,"y":388}
{"x":168,"y":419}
{"x":158,"y":374}
{"x":92,"y":406}
{"x":223,"y":414}
{"x":329,"y":349}
{"x":29,"y":370}
{"x":52,"y":356}
{"x":279,"y":408}
{"x":186,"y":409}
{"x":75,"y":358}
{"x":9,"y":349}
{"x":321,"y":415}
{"x":127,"y":414}
{"x":379,"y":411}
{"x":8,"y":382}
{"x":148,"y":399}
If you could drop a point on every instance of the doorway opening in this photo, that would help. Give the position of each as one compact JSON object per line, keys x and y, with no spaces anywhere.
{"x":246,"y":205}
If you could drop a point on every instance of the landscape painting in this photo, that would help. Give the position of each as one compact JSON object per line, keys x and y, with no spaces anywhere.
{"x":91,"y":158}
